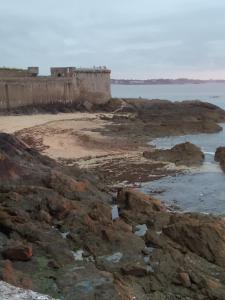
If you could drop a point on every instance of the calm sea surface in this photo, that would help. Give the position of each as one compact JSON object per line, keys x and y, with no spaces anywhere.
{"x":211,"y":92}
{"x":201,"y":189}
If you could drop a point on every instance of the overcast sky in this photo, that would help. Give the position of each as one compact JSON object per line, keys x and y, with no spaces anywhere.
{"x":135,"y":38}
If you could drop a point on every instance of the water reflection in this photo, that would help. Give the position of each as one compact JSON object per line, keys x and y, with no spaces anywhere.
{"x":201,"y":189}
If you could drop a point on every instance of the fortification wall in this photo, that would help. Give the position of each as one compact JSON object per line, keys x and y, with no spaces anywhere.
{"x":11,"y":73}
{"x":94,"y":86}
{"x":19,"y":92}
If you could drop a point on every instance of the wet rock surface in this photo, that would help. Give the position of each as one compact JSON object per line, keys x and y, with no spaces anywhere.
{"x":57,"y":237}
{"x":157,"y":118}
{"x":220,"y":157}
{"x":182,"y":154}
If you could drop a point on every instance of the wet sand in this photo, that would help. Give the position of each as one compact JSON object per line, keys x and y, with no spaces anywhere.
{"x":81,"y":139}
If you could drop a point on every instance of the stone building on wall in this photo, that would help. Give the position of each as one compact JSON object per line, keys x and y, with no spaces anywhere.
{"x":11,"y":72}
{"x":73,"y":71}
{"x":62,"y":71}
{"x":65,"y":85}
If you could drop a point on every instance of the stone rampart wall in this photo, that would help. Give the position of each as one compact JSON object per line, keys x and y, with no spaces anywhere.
{"x":19,"y":92}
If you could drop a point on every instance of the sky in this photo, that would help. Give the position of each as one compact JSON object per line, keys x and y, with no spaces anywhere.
{"x":136,"y":39}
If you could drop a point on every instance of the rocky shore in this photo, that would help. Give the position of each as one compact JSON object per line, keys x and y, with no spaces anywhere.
{"x":110,"y":140}
{"x":58,"y":237}
{"x":65,"y":234}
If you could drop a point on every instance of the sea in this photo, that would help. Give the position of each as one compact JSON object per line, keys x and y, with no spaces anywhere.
{"x":198,"y":189}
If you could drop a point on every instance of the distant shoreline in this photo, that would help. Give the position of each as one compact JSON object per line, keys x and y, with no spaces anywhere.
{"x":163,"y":81}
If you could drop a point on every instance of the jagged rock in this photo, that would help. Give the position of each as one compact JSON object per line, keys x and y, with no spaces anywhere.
{"x":182,"y":154}
{"x":184,"y":248}
{"x":61,"y":212}
{"x":130,"y":199}
{"x":202,"y":235}
{"x":138,"y":208}
{"x":66,"y":186}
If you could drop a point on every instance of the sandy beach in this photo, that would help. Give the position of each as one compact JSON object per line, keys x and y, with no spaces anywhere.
{"x":112,"y":143}
{"x":65,"y":136}
{"x":84,"y":139}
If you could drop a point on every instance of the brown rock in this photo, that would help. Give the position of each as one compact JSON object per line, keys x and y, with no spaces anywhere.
{"x":5,"y":222}
{"x":8,"y":169}
{"x":202,"y":235}
{"x":220,"y":157}
{"x":66,"y":185}
{"x":101,"y":213}
{"x":185,"y":279}
{"x":14,"y":277}
{"x":220,"y":154}
{"x":182,"y":154}
{"x":214,"y":289}
{"x":44,"y":216}
{"x":134,"y":270}
{"x":59,"y":207}
{"x":18,"y":252}
{"x":130,"y":199}
{"x":8,"y":274}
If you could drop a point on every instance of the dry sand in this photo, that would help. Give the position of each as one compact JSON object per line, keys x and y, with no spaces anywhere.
{"x":11,"y":124}
{"x":68,"y":136}
{"x":81,"y":139}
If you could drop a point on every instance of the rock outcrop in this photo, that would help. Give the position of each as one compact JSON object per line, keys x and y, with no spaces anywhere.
{"x":184,"y":252}
{"x":157,"y":118}
{"x":220,"y":157}
{"x":182,"y":154}
{"x":57,"y":237}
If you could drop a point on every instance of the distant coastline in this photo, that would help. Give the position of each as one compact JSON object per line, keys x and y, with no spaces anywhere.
{"x":163,"y":81}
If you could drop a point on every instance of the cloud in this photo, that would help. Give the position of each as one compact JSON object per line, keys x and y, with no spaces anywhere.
{"x":135,"y":38}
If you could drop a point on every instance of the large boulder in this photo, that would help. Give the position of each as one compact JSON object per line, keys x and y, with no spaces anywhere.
{"x":202,"y":235}
{"x":133,"y":200}
{"x":182,"y":154}
{"x":220,"y":157}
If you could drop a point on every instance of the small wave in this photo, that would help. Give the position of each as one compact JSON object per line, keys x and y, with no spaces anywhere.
{"x":210,"y":153}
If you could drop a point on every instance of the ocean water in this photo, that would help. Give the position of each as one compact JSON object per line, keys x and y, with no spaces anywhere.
{"x":200,"y":189}
{"x":210,"y":92}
